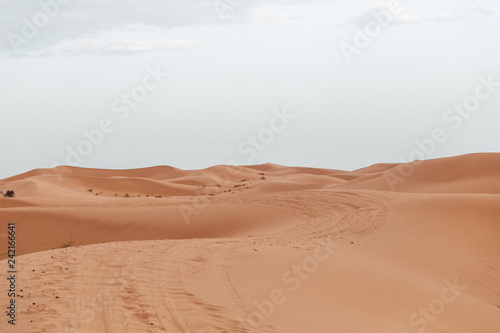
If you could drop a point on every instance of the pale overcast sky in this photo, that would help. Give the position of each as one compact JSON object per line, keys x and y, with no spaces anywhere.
{"x":191,"y":84}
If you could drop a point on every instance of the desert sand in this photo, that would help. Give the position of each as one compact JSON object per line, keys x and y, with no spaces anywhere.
{"x":391,"y":248}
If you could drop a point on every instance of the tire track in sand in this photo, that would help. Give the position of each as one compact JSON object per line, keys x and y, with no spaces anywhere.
{"x":185,"y":285}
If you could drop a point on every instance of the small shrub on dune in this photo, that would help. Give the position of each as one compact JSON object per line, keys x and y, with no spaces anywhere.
{"x":68,"y":243}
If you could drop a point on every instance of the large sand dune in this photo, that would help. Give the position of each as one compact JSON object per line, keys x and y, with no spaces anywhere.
{"x":391,"y":248}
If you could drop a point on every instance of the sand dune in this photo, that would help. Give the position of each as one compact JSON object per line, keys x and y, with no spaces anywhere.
{"x":475,"y":173}
{"x":389,"y":248}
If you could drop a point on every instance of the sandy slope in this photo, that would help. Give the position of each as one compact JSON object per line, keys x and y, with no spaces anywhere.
{"x":257,"y":249}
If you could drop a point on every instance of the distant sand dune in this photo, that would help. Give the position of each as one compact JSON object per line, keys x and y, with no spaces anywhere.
{"x":262,"y":248}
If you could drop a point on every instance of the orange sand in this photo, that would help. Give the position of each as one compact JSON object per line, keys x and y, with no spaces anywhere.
{"x":267,"y":248}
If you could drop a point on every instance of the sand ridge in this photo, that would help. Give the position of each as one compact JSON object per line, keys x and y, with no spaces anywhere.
{"x":263,"y":248}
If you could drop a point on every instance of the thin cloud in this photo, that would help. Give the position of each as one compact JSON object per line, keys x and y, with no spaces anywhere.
{"x":486,"y":10}
{"x":84,"y":18}
{"x":106,"y":47}
{"x":266,"y":17}
{"x":398,"y":14}
{"x":120,"y":46}
{"x":443,"y":18}
{"x":90,"y":18}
